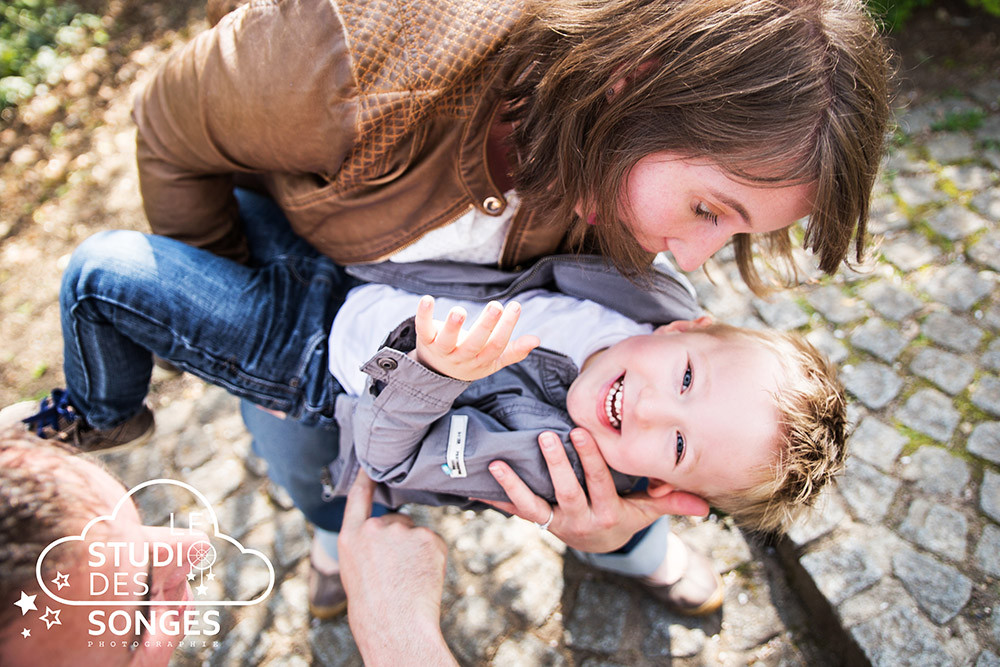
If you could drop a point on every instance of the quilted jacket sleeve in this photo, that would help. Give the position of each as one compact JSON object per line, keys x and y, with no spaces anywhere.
{"x":409,"y":433}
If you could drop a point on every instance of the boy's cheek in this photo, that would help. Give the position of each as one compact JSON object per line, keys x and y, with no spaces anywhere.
{"x":572,"y":400}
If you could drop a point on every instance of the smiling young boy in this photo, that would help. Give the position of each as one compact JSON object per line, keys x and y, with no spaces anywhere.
{"x":752,"y":421}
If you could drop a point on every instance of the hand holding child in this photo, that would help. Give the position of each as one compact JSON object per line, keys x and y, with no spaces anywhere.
{"x":470,"y":355}
{"x":594,"y":518}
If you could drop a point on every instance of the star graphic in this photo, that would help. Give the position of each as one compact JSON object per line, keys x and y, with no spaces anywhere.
{"x":201,"y":590}
{"x":26,"y":633}
{"x":49,"y":622}
{"x":190,"y":576}
{"x":26,"y":603}
{"x":61,"y":580}
{"x":210,"y":576}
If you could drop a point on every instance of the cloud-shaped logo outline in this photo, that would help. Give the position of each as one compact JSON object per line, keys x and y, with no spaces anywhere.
{"x":155,"y":603}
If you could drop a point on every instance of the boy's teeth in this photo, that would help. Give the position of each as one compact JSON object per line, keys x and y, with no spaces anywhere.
{"x":613,"y":403}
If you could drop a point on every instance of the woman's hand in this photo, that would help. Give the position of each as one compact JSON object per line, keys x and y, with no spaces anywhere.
{"x":602,"y":523}
{"x":483,"y":350}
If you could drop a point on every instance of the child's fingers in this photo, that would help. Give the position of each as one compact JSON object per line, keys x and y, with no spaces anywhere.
{"x":424,"y":320}
{"x":520,"y":349}
{"x":502,"y":331}
{"x":480,"y":332}
{"x":448,"y":333}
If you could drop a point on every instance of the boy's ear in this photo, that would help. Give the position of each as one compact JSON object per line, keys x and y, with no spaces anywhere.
{"x":679,"y":326}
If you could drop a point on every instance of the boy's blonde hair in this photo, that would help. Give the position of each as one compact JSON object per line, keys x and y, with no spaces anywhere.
{"x":812,"y":410}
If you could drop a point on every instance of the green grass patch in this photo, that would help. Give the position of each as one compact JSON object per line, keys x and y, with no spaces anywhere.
{"x":960,"y":121}
{"x":917,"y":440}
{"x":963,"y":402}
{"x":921,"y":226}
{"x":38,"y":38}
{"x":893,"y":14}
{"x":57,"y":134}
{"x":802,"y":303}
{"x":39,"y":371}
{"x":899,"y":139}
{"x":947,"y":186}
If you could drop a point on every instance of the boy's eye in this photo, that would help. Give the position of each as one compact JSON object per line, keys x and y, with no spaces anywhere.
{"x":680,"y":448}
{"x":704,"y":212}
{"x":686,"y":382}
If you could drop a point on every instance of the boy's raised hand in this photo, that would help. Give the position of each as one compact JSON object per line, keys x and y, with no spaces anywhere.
{"x":474,"y":354}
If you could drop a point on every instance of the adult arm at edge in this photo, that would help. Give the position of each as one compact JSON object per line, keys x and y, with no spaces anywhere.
{"x":393,"y":573}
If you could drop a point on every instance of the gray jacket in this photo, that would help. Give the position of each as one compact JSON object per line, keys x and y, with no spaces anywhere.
{"x":428,"y":438}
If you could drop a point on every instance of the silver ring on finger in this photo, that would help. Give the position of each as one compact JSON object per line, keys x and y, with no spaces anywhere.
{"x":552,"y":515}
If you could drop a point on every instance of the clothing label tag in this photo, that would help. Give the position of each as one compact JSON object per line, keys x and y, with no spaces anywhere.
{"x":456,"y":445}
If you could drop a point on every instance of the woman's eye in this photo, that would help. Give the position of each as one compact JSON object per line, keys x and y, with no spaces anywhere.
{"x":704,"y":212}
{"x":686,"y":382}
{"x":680,"y":448}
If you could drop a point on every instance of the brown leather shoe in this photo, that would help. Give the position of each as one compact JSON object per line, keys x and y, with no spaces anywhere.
{"x":327,"y":597}
{"x":57,"y":419}
{"x":698,"y":592}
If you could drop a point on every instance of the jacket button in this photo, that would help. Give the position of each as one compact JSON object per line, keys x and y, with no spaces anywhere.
{"x":493,"y":205}
{"x":387,"y":364}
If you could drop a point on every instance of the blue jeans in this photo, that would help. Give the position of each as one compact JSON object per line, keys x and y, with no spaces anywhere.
{"x":258,"y":331}
{"x":295,"y":454}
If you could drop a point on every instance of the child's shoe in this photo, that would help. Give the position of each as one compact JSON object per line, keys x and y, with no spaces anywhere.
{"x":327,"y":597}
{"x":698,"y":592}
{"x":57,"y":419}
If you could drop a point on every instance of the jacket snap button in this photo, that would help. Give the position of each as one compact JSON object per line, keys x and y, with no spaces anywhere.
{"x":387,"y":364}
{"x":492,"y":205}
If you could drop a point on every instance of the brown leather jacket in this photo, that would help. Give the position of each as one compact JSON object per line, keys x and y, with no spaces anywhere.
{"x":367,"y":120}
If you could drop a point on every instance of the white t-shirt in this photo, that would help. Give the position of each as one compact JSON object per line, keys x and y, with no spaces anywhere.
{"x":475,"y":238}
{"x":574,"y":327}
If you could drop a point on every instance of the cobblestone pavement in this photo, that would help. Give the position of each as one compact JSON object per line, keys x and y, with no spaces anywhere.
{"x":512,"y":596}
{"x":901,"y":564}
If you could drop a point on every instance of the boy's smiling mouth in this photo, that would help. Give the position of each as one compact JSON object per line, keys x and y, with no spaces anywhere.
{"x":613,"y":403}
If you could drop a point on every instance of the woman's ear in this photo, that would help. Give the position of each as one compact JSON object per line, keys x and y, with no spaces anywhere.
{"x":658,"y":488}
{"x":679,"y":326}
{"x":621,"y":82}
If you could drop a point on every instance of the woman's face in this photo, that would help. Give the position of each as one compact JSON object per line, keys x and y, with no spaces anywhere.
{"x":690,"y":208}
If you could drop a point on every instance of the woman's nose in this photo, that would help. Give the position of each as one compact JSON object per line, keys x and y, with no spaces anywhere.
{"x":693,"y":252}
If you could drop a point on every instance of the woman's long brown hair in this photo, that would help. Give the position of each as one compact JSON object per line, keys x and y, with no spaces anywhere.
{"x":773,"y":91}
